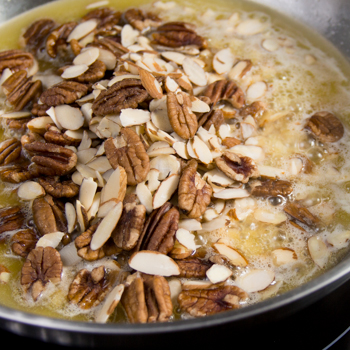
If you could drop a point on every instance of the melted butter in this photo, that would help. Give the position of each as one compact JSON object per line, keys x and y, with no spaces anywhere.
{"x":297,"y":89}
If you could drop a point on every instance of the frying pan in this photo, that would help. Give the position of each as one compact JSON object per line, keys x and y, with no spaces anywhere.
{"x":327,"y":17}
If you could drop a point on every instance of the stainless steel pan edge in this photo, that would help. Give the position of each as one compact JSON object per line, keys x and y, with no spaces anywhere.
{"x":329,"y":18}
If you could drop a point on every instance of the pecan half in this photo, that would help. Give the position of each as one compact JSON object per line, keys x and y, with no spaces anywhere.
{"x":236,"y":167}
{"x":214,"y":117}
{"x":127,"y":93}
{"x":303,"y":215}
{"x":129,"y":226}
{"x":194,"y":194}
{"x":89,"y":288}
{"x":35,"y":35}
{"x":54,"y":135}
{"x":57,"y":189}
{"x":193,"y":267}
{"x":203,"y":302}
{"x":177,"y":34}
{"x":129,"y":152}
{"x":11,"y":219}
{"x":65,"y":92}
{"x":325,"y":126}
{"x":22,"y":242}
{"x":17,"y":173}
{"x":107,"y":18}
{"x":10,"y":150}
{"x":57,"y":39}
{"x":272,"y":188}
{"x":43,"y":264}
{"x":21,"y":90}
{"x":159,"y":231}
{"x":48,"y":215}
{"x":82,"y":242}
{"x":95,"y":73}
{"x":49,"y":159}
{"x":226,"y":90}
{"x":182,"y":119}
{"x":254,"y":109}
{"x":140,"y":19}
{"x":15,"y":60}
{"x":147,"y":299}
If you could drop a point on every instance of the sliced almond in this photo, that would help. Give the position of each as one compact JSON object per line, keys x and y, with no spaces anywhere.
{"x":158,"y":148}
{"x":240,"y":69}
{"x":176,"y":57}
{"x":86,"y":155}
{"x":269,"y":216}
{"x":256,"y":90}
{"x":151,"y":84}
{"x":243,"y":207}
{"x":15,"y":115}
{"x":81,"y":215}
{"x":87,"y":56}
{"x":5,"y":274}
{"x":255,"y":280}
{"x":216,"y":176}
{"x":115,"y":187}
{"x":195,"y":284}
{"x":181,"y":149}
{"x":71,"y":216}
{"x":153,"y":179}
{"x":82,"y":29}
{"x":87,"y":192}
{"x":129,"y":35}
{"x":130,"y":116}
{"x":339,"y":239}
{"x":218,"y":273}
{"x":154,"y":263}
{"x":194,"y":72}
{"x":50,"y":240}
{"x":199,"y":106}
{"x":235,"y":258}
{"x":94,"y":206}
{"x":318,"y":251}
{"x":186,"y":238}
{"x":145,"y":196}
{"x":270,"y":45}
{"x":74,"y":71}
{"x":30,"y":190}
{"x":251,"y":27}
{"x":110,"y":304}
{"x":106,"y":227}
{"x":68,"y":117}
{"x":165,"y":190}
{"x":166,"y":164}
{"x":223,"y":61}
{"x":106,"y":207}
{"x":202,"y":151}
{"x":69,"y":255}
{"x":254,"y":152}
{"x":231,"y":193}
{"x":270,"y":172}
{"x":39,"y":124}
{"x":282,"y":256}
{"x":100,"y":164}
{"x":216,"y":224}
{"x":108,"y":58}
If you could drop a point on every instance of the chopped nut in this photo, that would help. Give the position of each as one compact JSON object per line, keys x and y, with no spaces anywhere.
{"x":89,"y":288}
{"x":42,"y":265}
{"x":302,"y":214}
{"x":181,"y":117}
{"x":57,"y":189}
{"x":194,"y":194}
{"x":326,"y":126}
{"x":129,"y":152}
{"x":235,"y":167}
{"x":272,"y":188}
{"x":193,"y":267}
{"x":203,"y":302}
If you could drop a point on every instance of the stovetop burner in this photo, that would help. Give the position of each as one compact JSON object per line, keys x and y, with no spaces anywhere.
{"x":324,"y":325}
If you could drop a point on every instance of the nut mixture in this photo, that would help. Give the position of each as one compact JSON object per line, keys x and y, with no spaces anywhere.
{"x":149,"y":168}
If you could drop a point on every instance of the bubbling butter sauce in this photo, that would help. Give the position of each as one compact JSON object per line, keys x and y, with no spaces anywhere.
{"x":295,"y":73}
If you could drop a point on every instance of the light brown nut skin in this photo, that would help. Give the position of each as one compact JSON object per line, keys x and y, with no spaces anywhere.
{"x":89,"y":288}
{"x":182,"y":119}
{"x":236,"y":167}
{"x":41,"y":266}
{"x":132,"y":157}
{"x":302,"y":215}
{"x":325,"y":126}
{"x":15,"y":60}
{"x":50,"y":159}
{"x":159,"y":230}
{"x":147,"y":299}
{"x":194,"y":194}
{"x":204,"y":302}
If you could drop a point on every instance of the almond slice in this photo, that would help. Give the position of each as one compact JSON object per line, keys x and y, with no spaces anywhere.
{"x":5,"y":274}
{"x":218,"y":273}
{"x":94,"y":206}
{"x":190,"y":224}
{"x":15,"y":115}
{"x":165,"y":190}
{"x":153,"y":179}
{"x":154,"y":263}
{"x":106,"y":207}
{"x":223,"y":61}
{"x":231,"y":193}
{"x":181,"y":149}
{"x":270,"y":217}
{"x":110,"y":304}
{"x":68,"y":117}
{"x":69,"y":255}
{"x":255,"y":280}
{"x":270,"y":45}
{"x":166,"y":164}
{"x":129,"y":35}
{"x":235,"y":258}
{"x":256,"y":90}
{"x":71,"y":216}
{"x":38,"y":124}
{"x":202,"y":151}
{"x":100,"y":164}
{"x":318,"y":251}
{"x":50,"y":240}
{"x":243,"y":207}
{"x":190,"y":284}
{"x":74,"y":71}
{"x":108,"y":58}
{"x":194,"y":72}
{"x":86,"y":155}
{"x":151,"y":84}
{"x":87,"y":192}
{"x":176,"y":57}
{"x":282,"y":256}
{"x":106,"y":227}
{"x":30,"y":190}
{"x":87,"y":56}
{"x":82,"y":29}
{"x":240,"y":69}
{"x":145,"y":196}
{"x":270,"y":172}
{"x":251,"y":27}
{"x":254,"y":152}
{"x":186,"y":238}
{"x":216,"y":224}
{"x":339,"y":239}
{"x":81,"y":215}
{"x":130,"y":116}
{"x":115,"y":187}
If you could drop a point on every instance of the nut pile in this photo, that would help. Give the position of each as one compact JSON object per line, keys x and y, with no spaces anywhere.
{"x":134,"y":143}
